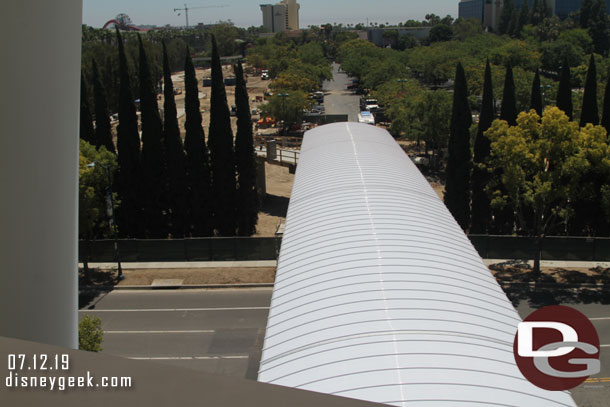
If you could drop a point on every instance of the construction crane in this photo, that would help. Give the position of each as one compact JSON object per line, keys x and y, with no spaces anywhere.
{"x":186,"y":10}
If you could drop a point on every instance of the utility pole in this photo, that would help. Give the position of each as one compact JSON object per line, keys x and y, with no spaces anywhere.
{"x":186,"y":10}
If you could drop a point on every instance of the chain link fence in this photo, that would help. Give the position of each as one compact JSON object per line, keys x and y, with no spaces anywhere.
{"x":267,"y":248}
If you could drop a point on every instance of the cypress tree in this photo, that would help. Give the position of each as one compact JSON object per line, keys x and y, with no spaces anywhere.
{"x":536,"y":100}
{"x":176,"y":170}
{"x":245,"y":160}
{"x":481,"y":209}
{"x":599,"y":28}
{"x":197,"y":157}
{"x":506,"y":16}
{"x":564,"y":92}
{"x":128,"y":148}
{"x":222,"y":160}
{"x":508,"y":111}
{"x":86,"y":123}
{"x":457,"y":186}
{"x":103,"y":132}
{"x":533,"y":17}
{"x":606,"y":109}
{"x":586,"y":12}
{"x":590,"y":113}
{"x":524,"y":15}
{"x":153,"y":160}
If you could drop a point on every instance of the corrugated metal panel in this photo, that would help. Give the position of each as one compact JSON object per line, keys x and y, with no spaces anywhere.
{"x":379,"y":294}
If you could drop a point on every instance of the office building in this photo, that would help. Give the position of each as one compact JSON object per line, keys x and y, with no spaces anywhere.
{"x":488,"y":11}
{"x":283,"y":16}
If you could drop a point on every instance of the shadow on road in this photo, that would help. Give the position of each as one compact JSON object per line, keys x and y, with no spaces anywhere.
{"x":555,"y":285}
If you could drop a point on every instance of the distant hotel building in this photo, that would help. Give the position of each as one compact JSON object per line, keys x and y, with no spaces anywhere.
{"x":283,"y":16}
{"x":488,"y":11}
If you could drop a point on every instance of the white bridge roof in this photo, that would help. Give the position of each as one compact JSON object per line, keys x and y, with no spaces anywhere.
{"x":379,"y":294}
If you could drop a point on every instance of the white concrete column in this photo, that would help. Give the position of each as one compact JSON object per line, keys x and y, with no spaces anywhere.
{"x":39,"y":122}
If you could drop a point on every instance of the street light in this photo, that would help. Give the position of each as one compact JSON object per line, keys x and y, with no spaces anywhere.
{"x":110,"y":212}
{"x":544,"y":89}
{"x":283,"y":96}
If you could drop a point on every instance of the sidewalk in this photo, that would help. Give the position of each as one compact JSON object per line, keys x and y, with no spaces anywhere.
{"x":185,"y":264}
{"x":567,"y":264}
{"x":273,"y":263}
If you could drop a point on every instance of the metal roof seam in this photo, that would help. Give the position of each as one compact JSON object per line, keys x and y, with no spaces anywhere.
{"x":460,"y":384}
{"x":360,"y":357}
{"x":272,"y":325}
{"x":312,"y":285}
{"x":387,"y":308}
{"x":389,"y":320}
{"x":342,"y":338}
{"x":507,"y":348}
{"x":414,"y":368}
{"x":346,"y":261}
{"x":418,"y":290}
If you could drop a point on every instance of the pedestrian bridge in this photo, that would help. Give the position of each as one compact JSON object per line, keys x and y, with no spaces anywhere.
{"x":379,"y":294}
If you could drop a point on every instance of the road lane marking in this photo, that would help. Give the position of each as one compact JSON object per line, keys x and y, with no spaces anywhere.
{"x":190,"y":357}
{"x":604,"y":346}
{"x":599,"y":319}
{"x":173,"y":309}
{"x":598,"y":380}
{"x":196,"y":331}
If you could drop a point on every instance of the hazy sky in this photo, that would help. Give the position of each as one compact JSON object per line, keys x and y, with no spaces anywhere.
{"x":245,"y":13}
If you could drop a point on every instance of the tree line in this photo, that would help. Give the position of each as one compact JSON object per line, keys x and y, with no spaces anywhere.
{"x":164,"y":187}
{"x":536,"y":173}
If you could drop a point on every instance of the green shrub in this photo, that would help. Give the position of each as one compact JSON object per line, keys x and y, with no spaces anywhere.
{"x":90,"y":334}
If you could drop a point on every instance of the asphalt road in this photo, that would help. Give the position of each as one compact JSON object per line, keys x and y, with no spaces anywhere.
{"x":217,"y":331}
{"x":222,"y":331}
{"x":339,"y":100}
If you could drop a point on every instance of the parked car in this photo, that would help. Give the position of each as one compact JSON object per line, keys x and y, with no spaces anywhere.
{"x":207,"y":81}
{"x":265,"y":75}
{"x":366,"y":117}
{"x":233,"y":110}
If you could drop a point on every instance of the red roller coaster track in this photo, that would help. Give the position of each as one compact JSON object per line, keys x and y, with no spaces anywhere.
{"x":124,"y":27}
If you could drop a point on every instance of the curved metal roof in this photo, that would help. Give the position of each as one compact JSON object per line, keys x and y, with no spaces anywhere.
{"x":379,"y":294}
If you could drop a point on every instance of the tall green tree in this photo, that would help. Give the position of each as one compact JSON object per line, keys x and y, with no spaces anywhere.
{"x":222,"y":158}
{"x":197,"y":157}
{"x":543,"y":164}
{"x":590,"y":112}
{"x":599,"y":28}
{"x":103,"y":132}
{"x":177,"y":197}
{"x":86,"y":124}
{"x":504,"y":217}
{"x":536,"y":100}
{"x":129,"y":214}
{"x":506,"y":15}
{"x":481,"y":209}
{"x":93,"y":189}
{"x":564,"y":92}
{"x":524,"y":15}
{"x":153,"y":154}
{"x":508,"y":111}
{"x":606,"y":108}
{"x":245,"y":160}
{"x":534,"y":18}
{"x":586,"y":12}
{"x":459,"y":163}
